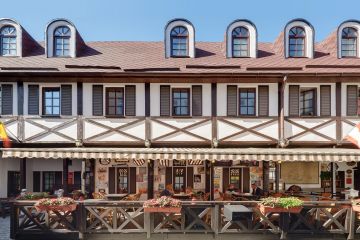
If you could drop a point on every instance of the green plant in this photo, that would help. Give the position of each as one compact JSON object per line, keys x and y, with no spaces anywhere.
{"x":33,"y":196}
{"x":286,"y":202}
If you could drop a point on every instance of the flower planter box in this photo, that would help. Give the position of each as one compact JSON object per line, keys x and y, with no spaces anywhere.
{"x":265,"y":209}
{"x":65,"y":208}
{"x":356,"y":208}
{"x":163,"y":209}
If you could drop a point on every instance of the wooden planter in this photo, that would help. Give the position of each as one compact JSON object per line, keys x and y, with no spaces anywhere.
{"x":356,"y":208}
{"x":163,"y":209}
{"x":65,"y":208}
{"x":265,"y":209}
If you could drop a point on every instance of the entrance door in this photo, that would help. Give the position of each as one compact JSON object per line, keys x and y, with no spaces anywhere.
{"x":122,"y":180}
{"x":240,"y":177}
{"x":13,"y":183}
{"x":179,"y":180}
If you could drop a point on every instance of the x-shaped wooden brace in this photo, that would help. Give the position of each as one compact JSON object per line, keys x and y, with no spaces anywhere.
{"x":197,"y":218}
{"x":311,"y":130}
{"x":334,"y":219}
{"x":130,"y":218}
{"x":31,"y":218}
{"x":53,"y":223}
{"x":99,"y":218}
{"x":184,"y":130}
{"x":302,"y":219}
{"x":53,"y":130}
{"x":250,"y":129}
{"x":116,"y":129}
{"x":168,"y":218}
{"x":265,"y":220}
{"x":241,"y":226}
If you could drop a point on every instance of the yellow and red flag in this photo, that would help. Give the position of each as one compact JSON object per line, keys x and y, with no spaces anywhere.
{"x":354,"y":135}
{"x":4,"y":137}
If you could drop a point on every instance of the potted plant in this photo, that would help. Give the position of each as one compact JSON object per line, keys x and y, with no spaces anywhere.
{"x":163,"y":204}
{"x":32,"y":196}
{"x":278,"y":205}
{"x":63,"y":204}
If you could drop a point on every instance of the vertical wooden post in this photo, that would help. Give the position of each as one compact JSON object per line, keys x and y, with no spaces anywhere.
{"x":281,"y":112}
{"x":65,"y":176}
{"x":338,"y":114}
{"x":211,"y":181}
{"x":14,"y":220}
{"x":266,"y":169}
{"x":207,"y":177}
{"x":23,"y":173}
{"x":150,"y":188}
{"x":277,"y":176}
{"x":83,"y":175}
{"x":333,"y":180}
{"x":79,"y":98}
{"x":20,"y":90}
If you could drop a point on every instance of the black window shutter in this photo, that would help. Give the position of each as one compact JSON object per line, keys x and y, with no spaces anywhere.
{"x":294,"y":98}
{"x":168,"y":176}
{"x":33,"y":100}
{"x":226,"y":178}
{"x":130,"y":100}
{"x":111,"y":180}
{"x":352,"y":100}
{"x":66,"y":100}
{"x":190,"y":177}
{"x":36,"y":181}
{"x":98,"y":105}
{"x":246,"y":180}
{"x":197,"y":100}
{"x":231,"y":100}
{"x":132,"y":180}
{"x":325,"y":100}
{"x":7,"y":99}
{"x":58,"y":180}
{"x":263,"y":101}
{"x":164,"y":100}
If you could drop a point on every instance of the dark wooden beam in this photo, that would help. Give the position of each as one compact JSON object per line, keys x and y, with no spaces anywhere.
{"x":65,"y":176}
{"x":266,"y":170}
{"x":277,"y":177}
{"x":147,"y":100}
{"x":20,"y":100}
{"x":281,"y":110}
{"x":208,"y":177}
{"x":150,"y":188}
{"x":79,"y":98}
{"x":23,"y":173}
{"x":213,"y":99}
{"x":338,"y":113}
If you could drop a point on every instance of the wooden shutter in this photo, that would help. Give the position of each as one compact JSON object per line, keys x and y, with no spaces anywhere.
{"x":33,"y":99}
{"x":190,"y":177}
{"x":352,"y":100}
{"x":66,"y":100}
{"x":7,"y":99}
{"x":168,"y":176}
{"x":164,"y":100}
{"x":246,"y":180}
{"x":130,"y":100}
{"x":197,"y":100}
{"x":98,"y":105}
{"x":231,"y":100}
{"x":263,"y":101}
{"x":225,"y":178}
{"x":294,"y":98}
{"x":325,"y":100}
{"x":132,"y":180}
{"x":36,"y":181}
{"x":112,"y":180}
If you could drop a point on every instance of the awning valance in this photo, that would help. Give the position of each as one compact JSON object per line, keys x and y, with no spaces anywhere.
{"x":235,"y":154}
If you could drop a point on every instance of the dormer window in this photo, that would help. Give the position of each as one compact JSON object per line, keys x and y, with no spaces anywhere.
{"x":179,"y":42}
{"x":62,"y":41}
{"x":349,"y":42}
{"x":297,"y":42}
{"x":8,"y":41}
{"x":240,"y":42}
{"x":179,"y":39}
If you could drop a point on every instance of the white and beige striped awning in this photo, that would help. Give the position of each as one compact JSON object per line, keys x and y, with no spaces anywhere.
{"x":164,"y":154}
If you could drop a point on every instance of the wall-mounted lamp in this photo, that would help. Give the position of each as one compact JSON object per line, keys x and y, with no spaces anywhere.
{"x":147,"y":143}
{"x":78,"y":143}
{"x":215,"y":143}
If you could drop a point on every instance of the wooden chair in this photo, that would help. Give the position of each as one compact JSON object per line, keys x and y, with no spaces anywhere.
{"x":97,"y":195}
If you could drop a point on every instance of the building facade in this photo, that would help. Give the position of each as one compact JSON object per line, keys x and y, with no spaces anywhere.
{"x":133,"y":117}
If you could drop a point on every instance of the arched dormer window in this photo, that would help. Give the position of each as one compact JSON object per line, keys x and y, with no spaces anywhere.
{"x":349,"y":38}
{"x":241,"y":39}
{"x":299,"y":38}
{"x":62,"y":41}
{"x":240,"y":42}
{"x":297,"y":42}
{"x":179,"y":42}
{"x":179,"y":39}
{"x":8,"y":41}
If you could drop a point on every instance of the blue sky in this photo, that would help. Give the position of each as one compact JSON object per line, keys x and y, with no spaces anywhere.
{"x":144,"y":20}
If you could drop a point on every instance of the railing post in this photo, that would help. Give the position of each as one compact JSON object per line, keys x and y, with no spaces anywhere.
{"x":148,"y":223}
{"x":81,"y":220}
{"x":215,"y":213}
{"x":350,"y":219}
{"x":14,"y":221}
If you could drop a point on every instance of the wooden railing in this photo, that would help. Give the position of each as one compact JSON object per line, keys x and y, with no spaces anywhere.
{"x":316,"y":218}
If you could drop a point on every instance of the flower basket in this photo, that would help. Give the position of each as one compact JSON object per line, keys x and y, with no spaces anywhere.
{"x":266,"y":209}
{"x":56,"y":204}
{"x":162,"y":209}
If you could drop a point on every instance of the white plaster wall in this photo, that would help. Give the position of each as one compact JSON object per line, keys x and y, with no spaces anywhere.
{"x":7,"y":164}
{"x":88,"y":103}
{"x":50,"y":37}
{"x":309,"y":38}
{"x":191,"y":32}
{"x":7,"y":22}
{"x":155,"y":97}
{"x":222,"y":97}
{"x":355,"y":25}
{"x":311,"y":85}
{"x":43,"y":85}
{"x":252,"y":38}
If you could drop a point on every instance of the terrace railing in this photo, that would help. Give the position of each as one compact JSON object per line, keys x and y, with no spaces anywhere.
{"x":118,"y":217}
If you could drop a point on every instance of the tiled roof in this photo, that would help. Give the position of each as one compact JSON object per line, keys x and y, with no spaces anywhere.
{"x":115,"y":57}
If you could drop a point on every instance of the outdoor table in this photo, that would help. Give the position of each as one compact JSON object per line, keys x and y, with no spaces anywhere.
{"x":116,"y":196}
{"x":241,"y":196}
{"x":182,"y":196}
